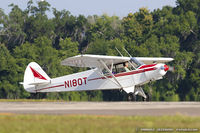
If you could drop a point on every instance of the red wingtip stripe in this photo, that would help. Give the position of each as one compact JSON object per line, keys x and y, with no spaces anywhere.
{"x":37,"y":74}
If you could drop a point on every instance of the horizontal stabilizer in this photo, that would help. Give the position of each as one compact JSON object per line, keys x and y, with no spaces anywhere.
{"x":21,"y":83}
{"x":40,"y":83}
{"x":36,"y":83}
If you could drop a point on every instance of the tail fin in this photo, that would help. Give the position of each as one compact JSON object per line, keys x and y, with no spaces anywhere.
{"x":33,"y":76}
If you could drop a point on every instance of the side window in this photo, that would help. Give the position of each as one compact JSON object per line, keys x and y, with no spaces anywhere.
{"x":114,"y":71}
{"x":123,"y":67}
{"x":120,"y":68}
{"x":104,"y":71}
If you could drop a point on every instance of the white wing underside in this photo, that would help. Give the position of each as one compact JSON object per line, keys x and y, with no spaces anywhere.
{"x":94,"y":60}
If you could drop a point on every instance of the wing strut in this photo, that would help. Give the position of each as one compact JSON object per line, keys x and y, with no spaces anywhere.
{"x":103,"y":63}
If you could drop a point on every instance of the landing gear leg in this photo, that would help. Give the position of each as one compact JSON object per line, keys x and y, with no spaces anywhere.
{"x":139,"y":91}
{"x":148,"y":97}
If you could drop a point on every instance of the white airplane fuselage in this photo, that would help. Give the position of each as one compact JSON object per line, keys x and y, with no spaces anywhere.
{"x":94,"y":80}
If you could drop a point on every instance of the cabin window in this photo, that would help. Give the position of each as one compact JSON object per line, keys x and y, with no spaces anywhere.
{"x":105,"y":72}
{"x":124,"y":66}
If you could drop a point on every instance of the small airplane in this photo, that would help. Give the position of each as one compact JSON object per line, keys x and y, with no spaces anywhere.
{"x":106,"y":73}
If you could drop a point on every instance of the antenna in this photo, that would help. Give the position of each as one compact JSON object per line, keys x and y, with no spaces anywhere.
{"x":119,"y":52}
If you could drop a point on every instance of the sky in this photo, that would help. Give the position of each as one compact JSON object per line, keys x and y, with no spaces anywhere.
{"x":119,"y":8}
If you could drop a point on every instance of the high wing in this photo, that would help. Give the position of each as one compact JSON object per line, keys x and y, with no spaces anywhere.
{"x":151,"y":60}
{"x":95,"y":60}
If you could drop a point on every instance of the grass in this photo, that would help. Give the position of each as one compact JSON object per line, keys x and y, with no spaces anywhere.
{"x":12,"y":123}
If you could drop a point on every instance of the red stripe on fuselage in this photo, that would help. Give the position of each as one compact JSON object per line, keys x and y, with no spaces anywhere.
{"x":145,"y":66}
{"x":50,"y":87}
{"x":116,"y":75}
{"x":126,"y":73}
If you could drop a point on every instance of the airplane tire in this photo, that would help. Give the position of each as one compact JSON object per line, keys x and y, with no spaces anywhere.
{"x":131,"y":97}
{"x":134,"y":97}
{"x":149,"y":97}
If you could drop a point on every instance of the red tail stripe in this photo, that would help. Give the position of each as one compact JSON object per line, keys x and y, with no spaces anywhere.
{"x":37,"y":74}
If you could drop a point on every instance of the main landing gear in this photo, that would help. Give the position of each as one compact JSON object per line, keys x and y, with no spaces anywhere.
{"x":137,"y":91}
{"x":131,"y":97}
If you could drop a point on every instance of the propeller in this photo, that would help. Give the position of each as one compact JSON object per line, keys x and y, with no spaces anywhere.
{"x":171,"y":68}
{"x":168,"y":68}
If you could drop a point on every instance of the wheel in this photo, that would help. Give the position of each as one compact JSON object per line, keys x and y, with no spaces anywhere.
{"x":134,"y":97}
{"x":145,"y":99}
{"x":149,"y":97}
{"x":131,"y":97}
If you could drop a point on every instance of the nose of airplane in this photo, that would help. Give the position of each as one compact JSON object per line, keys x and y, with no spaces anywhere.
{"x":166,"y":67}
{"x":163,"y":69}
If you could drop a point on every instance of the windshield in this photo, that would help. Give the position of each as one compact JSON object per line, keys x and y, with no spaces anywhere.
{"x":136,"y":63}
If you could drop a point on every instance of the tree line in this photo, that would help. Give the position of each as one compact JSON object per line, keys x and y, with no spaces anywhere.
{"x":29,"y":35}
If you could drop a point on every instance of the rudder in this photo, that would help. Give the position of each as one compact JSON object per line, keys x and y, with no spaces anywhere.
{"x":34,"y":76}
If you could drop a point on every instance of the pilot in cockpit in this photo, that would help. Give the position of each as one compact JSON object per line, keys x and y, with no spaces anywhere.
{"x":125,"y":64}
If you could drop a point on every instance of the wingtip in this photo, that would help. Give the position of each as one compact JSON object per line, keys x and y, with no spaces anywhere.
{"x":21,"y":83}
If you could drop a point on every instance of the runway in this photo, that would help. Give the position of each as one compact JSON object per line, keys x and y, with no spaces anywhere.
{"x":102,"y":108}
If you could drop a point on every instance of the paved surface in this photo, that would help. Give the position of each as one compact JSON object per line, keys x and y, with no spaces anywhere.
{"x":102,"y":108}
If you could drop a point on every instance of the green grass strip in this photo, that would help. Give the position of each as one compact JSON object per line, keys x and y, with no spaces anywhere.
{"x":12,"y":123}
